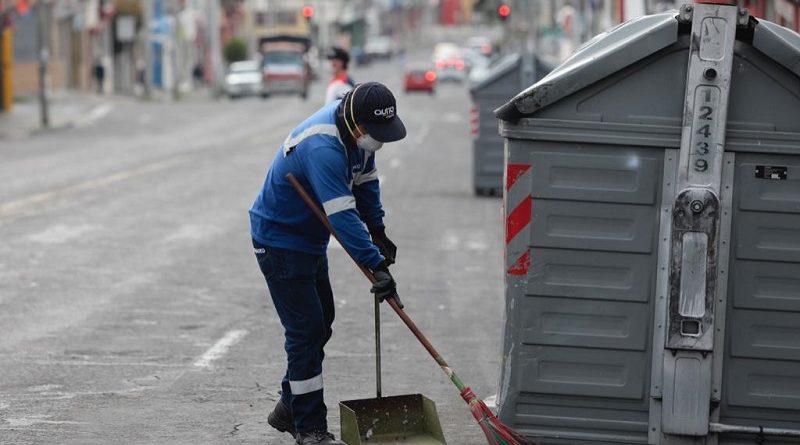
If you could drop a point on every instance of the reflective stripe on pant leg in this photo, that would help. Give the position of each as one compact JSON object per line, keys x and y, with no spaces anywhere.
{"x":306,"y":386}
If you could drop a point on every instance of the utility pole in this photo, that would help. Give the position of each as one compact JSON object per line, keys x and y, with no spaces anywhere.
{"x":529,"y":44}
{"x":43,"y":28}
{"x":212,"y":16}
{"x":147,"y":29}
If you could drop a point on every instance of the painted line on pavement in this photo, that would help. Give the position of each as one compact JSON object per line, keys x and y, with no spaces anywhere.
{"x":220,"y":348}
{"x":27,"y":421}
{"x":90,"y":363}
{"x":95,"y":115}
{"x":14,"y":208}
{"x":422,"y":135}
{"x":395,"y":162}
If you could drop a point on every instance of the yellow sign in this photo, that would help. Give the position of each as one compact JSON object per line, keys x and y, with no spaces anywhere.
{"x":129,"y":7}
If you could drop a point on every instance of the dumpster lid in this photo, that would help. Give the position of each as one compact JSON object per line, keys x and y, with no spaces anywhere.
{"x":779,"y":44}
{"x":498,"y":69}
{"x":598,"y":58}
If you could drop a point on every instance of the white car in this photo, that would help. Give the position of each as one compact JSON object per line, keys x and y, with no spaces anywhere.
{"x":243,"y":79}
{"x":379,"y":47}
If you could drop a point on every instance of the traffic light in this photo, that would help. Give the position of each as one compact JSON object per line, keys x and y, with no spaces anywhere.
{"x":308,"y":12}
{"x":503,"y":11}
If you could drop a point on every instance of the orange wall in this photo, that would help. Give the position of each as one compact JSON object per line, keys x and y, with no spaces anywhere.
{"x":26,"y":77}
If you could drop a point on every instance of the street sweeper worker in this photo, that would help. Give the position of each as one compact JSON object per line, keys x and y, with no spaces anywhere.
{"x":332,"y":154}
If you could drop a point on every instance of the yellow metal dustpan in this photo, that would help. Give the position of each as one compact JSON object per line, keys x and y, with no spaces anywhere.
{"x":407,"y":419}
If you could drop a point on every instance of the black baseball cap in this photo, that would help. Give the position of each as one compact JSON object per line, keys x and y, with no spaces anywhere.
{"x":338,"y":53}
{"x":375,"y":108}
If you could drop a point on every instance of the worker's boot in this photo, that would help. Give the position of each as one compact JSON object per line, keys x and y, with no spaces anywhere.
{"x":317,"y":438}
{"x":281,"y":418}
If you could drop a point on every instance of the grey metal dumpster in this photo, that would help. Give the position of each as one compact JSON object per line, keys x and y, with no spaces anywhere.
{"x":652,"y":203}
{"x":502,"y":82}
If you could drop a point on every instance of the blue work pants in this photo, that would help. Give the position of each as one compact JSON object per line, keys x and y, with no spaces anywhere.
{"x":301,"y":291}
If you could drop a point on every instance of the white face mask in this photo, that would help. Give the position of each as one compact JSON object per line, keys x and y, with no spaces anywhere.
{"x":368,"y":143}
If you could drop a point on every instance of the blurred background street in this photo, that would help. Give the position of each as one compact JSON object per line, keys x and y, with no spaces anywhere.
{"x":131,"y":306}
{"x":126,"y":256}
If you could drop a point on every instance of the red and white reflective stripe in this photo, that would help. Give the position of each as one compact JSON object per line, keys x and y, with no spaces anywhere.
{"x":521,"y":266}
{"x":475,"y":121}
{"x":519,"y":212}
{"x":518,"y":219}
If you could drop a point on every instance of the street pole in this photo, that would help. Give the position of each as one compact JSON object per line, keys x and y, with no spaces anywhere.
{"x":42,"y":37}
{"x":213,"y":12}
{"x":147,"y":29}
{"x":529,"y":45}
{"x":175,"y":54}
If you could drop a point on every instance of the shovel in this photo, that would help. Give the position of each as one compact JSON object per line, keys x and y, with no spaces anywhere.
{"x":406,"y":419}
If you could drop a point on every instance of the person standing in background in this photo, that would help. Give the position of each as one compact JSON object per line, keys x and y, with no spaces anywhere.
{"x":341,"y":82}
{"x":99,"y":73}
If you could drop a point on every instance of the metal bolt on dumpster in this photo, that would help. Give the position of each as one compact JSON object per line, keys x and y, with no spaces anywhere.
{"x":652,"y":203}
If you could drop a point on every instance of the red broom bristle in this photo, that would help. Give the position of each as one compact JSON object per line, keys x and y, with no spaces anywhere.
{"x":497,"y":432}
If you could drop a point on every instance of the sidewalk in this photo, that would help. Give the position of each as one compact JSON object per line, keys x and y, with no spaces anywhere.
{"x":67,"y":109}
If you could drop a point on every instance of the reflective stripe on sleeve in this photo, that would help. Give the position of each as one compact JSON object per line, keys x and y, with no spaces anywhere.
{"x":366,"y":177}
{"x":306,"y":386}
{"x":336,"y":205}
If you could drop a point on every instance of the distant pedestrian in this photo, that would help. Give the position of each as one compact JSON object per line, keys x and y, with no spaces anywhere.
{"x":197,"y":74}
{"x":332,"y":154}
{"x":99,"y":74}
{"x":341,"y":82}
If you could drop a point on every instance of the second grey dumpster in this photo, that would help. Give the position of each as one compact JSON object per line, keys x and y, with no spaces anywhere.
{"x":503,"y":80}
{"x":653,"y":237}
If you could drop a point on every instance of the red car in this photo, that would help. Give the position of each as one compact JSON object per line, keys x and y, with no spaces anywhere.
{"x":420,"y":79}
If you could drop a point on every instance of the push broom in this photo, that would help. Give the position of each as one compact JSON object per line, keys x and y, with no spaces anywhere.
{"x":497,"y":433}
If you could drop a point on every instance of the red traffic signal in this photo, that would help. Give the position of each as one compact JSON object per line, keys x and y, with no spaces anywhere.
{"x":308,"y":12}
{"x":503,"y":11}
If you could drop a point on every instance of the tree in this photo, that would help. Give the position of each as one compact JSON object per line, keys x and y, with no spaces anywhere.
{"x":235,"y":50}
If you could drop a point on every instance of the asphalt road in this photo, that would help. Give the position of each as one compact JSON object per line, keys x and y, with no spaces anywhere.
{"x":132,"y":310}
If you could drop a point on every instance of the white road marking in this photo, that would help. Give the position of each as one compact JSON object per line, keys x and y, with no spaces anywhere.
{"x":29,"y":421}
{"x":41,"y":388}
{"x":60,"y":233}
{"x":452,"y":118}
{"x":472,"y":241}
{"x":90,"y":363}
{"x":450,"y":241}
{"x":220,"y":348}
{"x":420,"y":138}
{"x":193,"y":232}
{"x":19,"y":206}
{"x":96,"y":114}
{"x":477,"y":244}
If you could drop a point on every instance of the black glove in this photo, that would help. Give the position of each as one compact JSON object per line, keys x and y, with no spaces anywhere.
{"x":385,"y":245}
{"x":384,"y":286}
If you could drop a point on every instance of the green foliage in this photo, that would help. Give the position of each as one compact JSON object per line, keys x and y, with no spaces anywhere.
{"x":235,"y":50}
